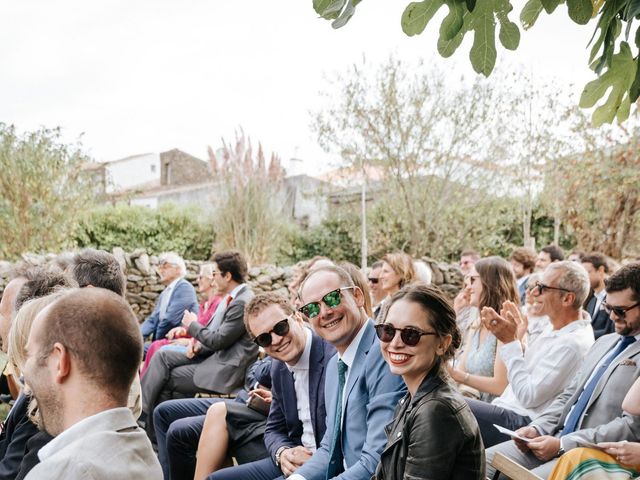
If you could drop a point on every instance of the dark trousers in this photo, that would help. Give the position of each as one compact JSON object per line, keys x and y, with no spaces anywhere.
{"x":264,"y":469}
{"x":178,"y":425}
{"x":487,"y":414}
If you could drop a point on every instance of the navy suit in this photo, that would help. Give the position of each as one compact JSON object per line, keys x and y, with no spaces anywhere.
{"x":18,"y":429}
{"x":284,"y":428}
{"x":371,"y":395}
{"x":522,"y":290}
{"x":183,"y":297}
{"x":600,"y":321}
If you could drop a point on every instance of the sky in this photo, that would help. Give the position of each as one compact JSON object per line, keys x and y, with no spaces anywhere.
{"x":130,"y":77}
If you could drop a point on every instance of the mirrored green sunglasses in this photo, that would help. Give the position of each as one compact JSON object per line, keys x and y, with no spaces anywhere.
{"x":331,"y":300}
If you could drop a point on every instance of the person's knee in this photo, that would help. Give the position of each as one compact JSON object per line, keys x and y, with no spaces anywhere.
{"x":217,"y":411}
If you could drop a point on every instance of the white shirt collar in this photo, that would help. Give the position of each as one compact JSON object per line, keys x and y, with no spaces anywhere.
{"x":349,"y":354}
{"x":173,"y":284}
{"x":236,"y":290}
{"x":303,"y":361}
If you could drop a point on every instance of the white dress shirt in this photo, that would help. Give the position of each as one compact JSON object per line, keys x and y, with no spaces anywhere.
{"x":541,"y":373}
{"x":301,"y":385}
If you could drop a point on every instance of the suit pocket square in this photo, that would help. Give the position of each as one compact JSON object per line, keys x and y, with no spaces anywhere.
{"x":627,"y":362}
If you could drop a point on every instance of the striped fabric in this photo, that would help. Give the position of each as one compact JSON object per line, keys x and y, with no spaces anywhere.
{"x":591,"y":464}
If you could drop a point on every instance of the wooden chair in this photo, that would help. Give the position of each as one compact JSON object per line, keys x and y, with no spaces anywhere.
{"x":511,"y":469}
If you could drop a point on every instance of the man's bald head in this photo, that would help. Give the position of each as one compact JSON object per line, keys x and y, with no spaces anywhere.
{"x":100,"y":331}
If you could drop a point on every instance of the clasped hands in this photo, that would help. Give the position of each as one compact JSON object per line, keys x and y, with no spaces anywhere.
{"x":543,"y":447}
{"x":293,"y":458}
{"x":507,"y":326}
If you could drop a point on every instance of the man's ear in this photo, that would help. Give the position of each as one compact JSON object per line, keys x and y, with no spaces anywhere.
{"x":359,"y":296}
{"x":61,"y":358}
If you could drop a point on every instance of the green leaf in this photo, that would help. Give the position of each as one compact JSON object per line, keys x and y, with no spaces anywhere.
{"x":550,"y":5}
{"x":446,"y":48}
{"x":619,"y":78}
{"x":483,"y":51}
{"x":530,"y":13}
{"x":328,"y":9}
{"x":346,"y":14}
{"x":606,"y":25}
{"x":471,"y":4}
{"x":417,"y":14}
{"x":638,"y":37}
{"x":580,"y":11}
{"x":509,"y":32}
{"x":632,"y":10}
{"x":452,"y":23}
{"x":634,"y":91}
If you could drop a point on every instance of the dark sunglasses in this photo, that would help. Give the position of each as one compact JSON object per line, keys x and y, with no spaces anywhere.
{"x":281,"y":329}
{"x":410,"y":336}
{"x":331,"y":300}
{"x":374,"y":280}
{"x":541,"y":287}
{"x":620,"y":312}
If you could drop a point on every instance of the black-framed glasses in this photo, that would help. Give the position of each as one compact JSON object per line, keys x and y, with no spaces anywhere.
{"x":331,"y":300}
{"x":541,"y":287}
{"x":410,"y":336}
{"x":374,"y":280}
{"x":281,"y":329}
{"x":620,"y":312}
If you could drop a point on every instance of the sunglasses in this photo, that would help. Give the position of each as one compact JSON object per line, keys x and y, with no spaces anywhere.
{"x":541,"y":287}
{"x":374,"y":280}
{"x":410,"y":336}
{"x":331,"y":300}
{"x":620,"y":312}
{"x":281,"y":329}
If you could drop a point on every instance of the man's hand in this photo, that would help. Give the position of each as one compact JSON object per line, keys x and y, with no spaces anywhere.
{"x":526,"y":432}
{"x":293,"y":458}
{"x":176,"y":332}
{"x":627,"y":453}
{"x":503,"y":329}
{"x":512,"y":312}
{"x":545,"y":447}
{"x":193,"y":348}
{"x":188,"y":318}
{"x":263,"y":393}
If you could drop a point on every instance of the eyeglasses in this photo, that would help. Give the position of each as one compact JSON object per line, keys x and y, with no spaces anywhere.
{"x":281,"y":329}
{"x":331,"y":300}
{"x":374,"y":280}
{"x":620,"y":312}
{"x":542,"y":287}
{"x":410,"y":336}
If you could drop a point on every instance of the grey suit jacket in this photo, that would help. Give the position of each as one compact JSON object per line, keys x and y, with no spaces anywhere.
{"x":228,"y":349}
{"x":603,"y":419}
{"x":106,"y":446}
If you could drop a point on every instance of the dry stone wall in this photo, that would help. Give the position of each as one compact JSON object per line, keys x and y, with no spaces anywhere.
{"x":144,"y":287}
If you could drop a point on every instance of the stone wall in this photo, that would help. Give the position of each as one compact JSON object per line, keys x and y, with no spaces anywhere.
{"x":144,"y":287}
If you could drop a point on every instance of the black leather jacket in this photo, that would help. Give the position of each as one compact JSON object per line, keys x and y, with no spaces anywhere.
{"x":432,"y":436}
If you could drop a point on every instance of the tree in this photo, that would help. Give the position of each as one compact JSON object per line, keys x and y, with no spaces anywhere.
{"x":434,"y":149}
{"x":617,"y":70}
{"x":248,"y":214}
{"x":43,"y":191}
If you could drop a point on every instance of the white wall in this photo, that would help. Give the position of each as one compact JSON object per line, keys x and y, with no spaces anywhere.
{"x":132,"y":172}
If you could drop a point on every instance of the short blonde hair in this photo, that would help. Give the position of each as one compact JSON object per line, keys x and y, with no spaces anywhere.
{"x":21,"y":326}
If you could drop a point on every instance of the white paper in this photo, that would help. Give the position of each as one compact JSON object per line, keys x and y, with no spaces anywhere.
{"x":511,"y":433}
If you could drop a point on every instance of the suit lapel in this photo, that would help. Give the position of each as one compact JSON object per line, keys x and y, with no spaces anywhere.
{"x":316,"y":369}
{"x":289,"y":398}
{"x":631,"y":351}
{"x":359,"y":360}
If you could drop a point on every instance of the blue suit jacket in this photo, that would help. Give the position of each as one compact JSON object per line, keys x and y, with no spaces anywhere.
{"x":284,"y":428}
{"x":371,"y":395}
{"x":183,"y":297}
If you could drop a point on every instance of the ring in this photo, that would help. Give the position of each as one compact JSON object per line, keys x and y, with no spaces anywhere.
{"x":494,"y":322}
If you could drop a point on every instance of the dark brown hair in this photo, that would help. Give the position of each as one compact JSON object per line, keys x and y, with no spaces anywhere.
{"x":623,"y":278}
{"x":233,"y":263}
{"x":98,"y":269}
{"x":262,"y":301}
{"x":526,"y":256}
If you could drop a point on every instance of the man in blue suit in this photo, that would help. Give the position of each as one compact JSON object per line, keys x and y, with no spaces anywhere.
{"x":361,"y":393}
{"x":296,"y":422}
{"x":173,"y":301}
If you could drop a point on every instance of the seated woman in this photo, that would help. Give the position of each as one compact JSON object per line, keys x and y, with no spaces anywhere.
{"x":611,"y":460}
{"x":177,"y":337}
{"x":397,"y":271}
{"x":481,"y":372}
{"x":433,"y":433}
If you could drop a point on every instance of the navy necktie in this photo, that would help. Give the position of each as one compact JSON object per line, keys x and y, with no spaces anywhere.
{"x":571,"y":423}
{"x":336,"y":457}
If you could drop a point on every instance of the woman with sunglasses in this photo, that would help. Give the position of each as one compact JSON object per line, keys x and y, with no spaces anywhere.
{"x":397,"y":271}
{"x":481,"y":372}
{"x":433,"y":433}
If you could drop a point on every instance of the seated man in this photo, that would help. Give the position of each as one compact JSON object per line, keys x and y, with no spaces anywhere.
{"x":83,"y":352}
{"x":296,"y":422}
{"x":362,"y":393}
{"x":219,"y":353}
{"x":589,"y":409}
{"x":173,"y":301}
{"x":539,"y":374}
{"x":178,"y":424}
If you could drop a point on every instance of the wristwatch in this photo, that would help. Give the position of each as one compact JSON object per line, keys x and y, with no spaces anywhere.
{"x":279,"y":453}
{"x":560,"y":452}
